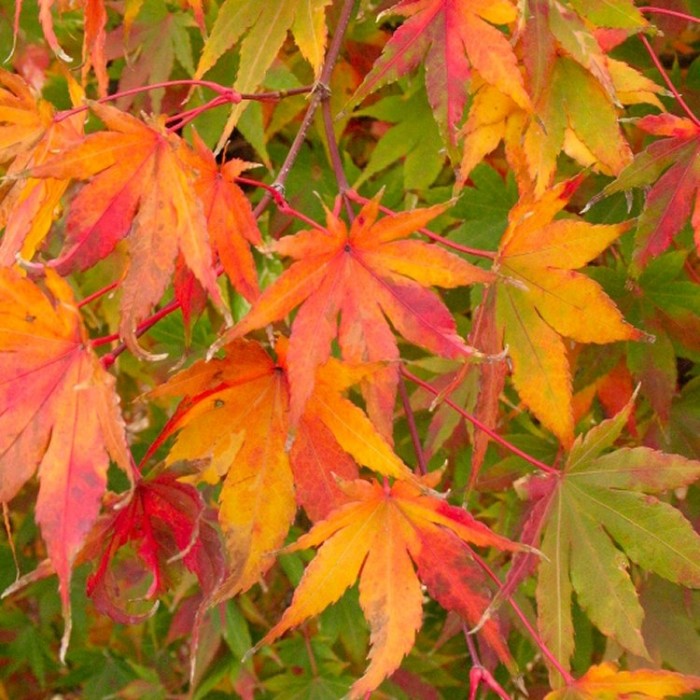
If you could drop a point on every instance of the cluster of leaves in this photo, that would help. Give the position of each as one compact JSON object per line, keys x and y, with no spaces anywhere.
{"x":206,"y":374}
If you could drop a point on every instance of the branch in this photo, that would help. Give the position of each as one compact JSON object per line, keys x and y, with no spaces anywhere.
{"x":318,"y":94}
{"x":478,"y":424}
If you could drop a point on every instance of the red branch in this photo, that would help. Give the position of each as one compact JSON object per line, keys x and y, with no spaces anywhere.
{"x":669,"y":82}
{"x":481,"y":426}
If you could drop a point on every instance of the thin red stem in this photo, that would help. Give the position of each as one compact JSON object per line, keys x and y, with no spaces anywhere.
{"x":412,"y":428}
{"x":98,"y":294}
{"x":669,"y":13}
{"x":478,"y":424}
{"x":668,"y":81}
{"x":228,"y":93}
{"x":568,"y":678}
{"x":479,"y":674}
{"x":356,"y":197}
{"x":180,"y":120}
{"x":109,"y":358}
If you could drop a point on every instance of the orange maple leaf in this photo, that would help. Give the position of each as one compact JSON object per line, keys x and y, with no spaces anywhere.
{"x":606,"y":682}
{"x":29,"y":135}
{"x":230,"y":219}
{"x":378,"y":536}
{"x":549,"y":300}
{"x":141,"y":187}
{"x":364,"y":275}
{"x":236,"y":415}
{"x":60,"y":413}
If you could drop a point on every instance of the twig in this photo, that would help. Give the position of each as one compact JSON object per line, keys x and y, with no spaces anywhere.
{"x":317,"y":97}
{"x":669,"y":82}
{"x":411,"y":420}
{"x":478,"y":424}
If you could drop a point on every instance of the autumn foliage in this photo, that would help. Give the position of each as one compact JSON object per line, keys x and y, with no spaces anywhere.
{"x":349,"y":349}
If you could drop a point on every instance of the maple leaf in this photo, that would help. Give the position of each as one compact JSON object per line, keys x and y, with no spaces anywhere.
{"x":95,"y":19}
{"x":265,"y":25}
{"x":669,"y":166}
{"x":59,"y":414}
{"x":169,"y":522}
{"x":30,"y":135}
{"x":247,"y":392}
{"x":606,"y":682}
{"x":362,"y":275}
{"x":451,"y":38}
{"x":151,"y":46}
{"x":140,"y":188}
{"x":576,"y":90}
{"x":230,"y":219}
{"x":546,"y":299}
{"x":596,"y":501}
{"x":378,"y":536}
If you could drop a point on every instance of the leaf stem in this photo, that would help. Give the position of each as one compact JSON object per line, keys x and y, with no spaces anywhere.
{"x":422,"y":467}
{"x":98,"y":294}
{"x":669,"y":13}
{"x":478,"y":673}
{"x":668,"y":81}
{"x":229,"y":94}
{"x":334,"y":153}
{"x":109,"y":359}
{"x":478,"y":424}
{"x":568,"y":678}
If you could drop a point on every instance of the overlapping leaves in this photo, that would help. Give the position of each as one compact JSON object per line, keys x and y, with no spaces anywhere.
{"x":236,"y":415}
{"x":348,"y":282}
{"x":546,"y":298}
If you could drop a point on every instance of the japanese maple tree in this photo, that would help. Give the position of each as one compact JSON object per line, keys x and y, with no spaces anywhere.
{"x":348,"y":349}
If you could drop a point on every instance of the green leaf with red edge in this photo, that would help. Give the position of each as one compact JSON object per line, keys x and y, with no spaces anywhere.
{"x":598,"y":515}
{"x":247,"y":391}
{"x":452,"y":39}
{"x":60,"y":414}
{"x":545,"y":299}
{"x":168,"y":522}
{"x":141,"y":187}
{"x":377,"y":537}
{"x":364,"y":276}
{"x":606,"y":682}
{"x":672,"y":167}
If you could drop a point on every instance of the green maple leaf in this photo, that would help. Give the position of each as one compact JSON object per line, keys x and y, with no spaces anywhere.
{"x":599,"y":514}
